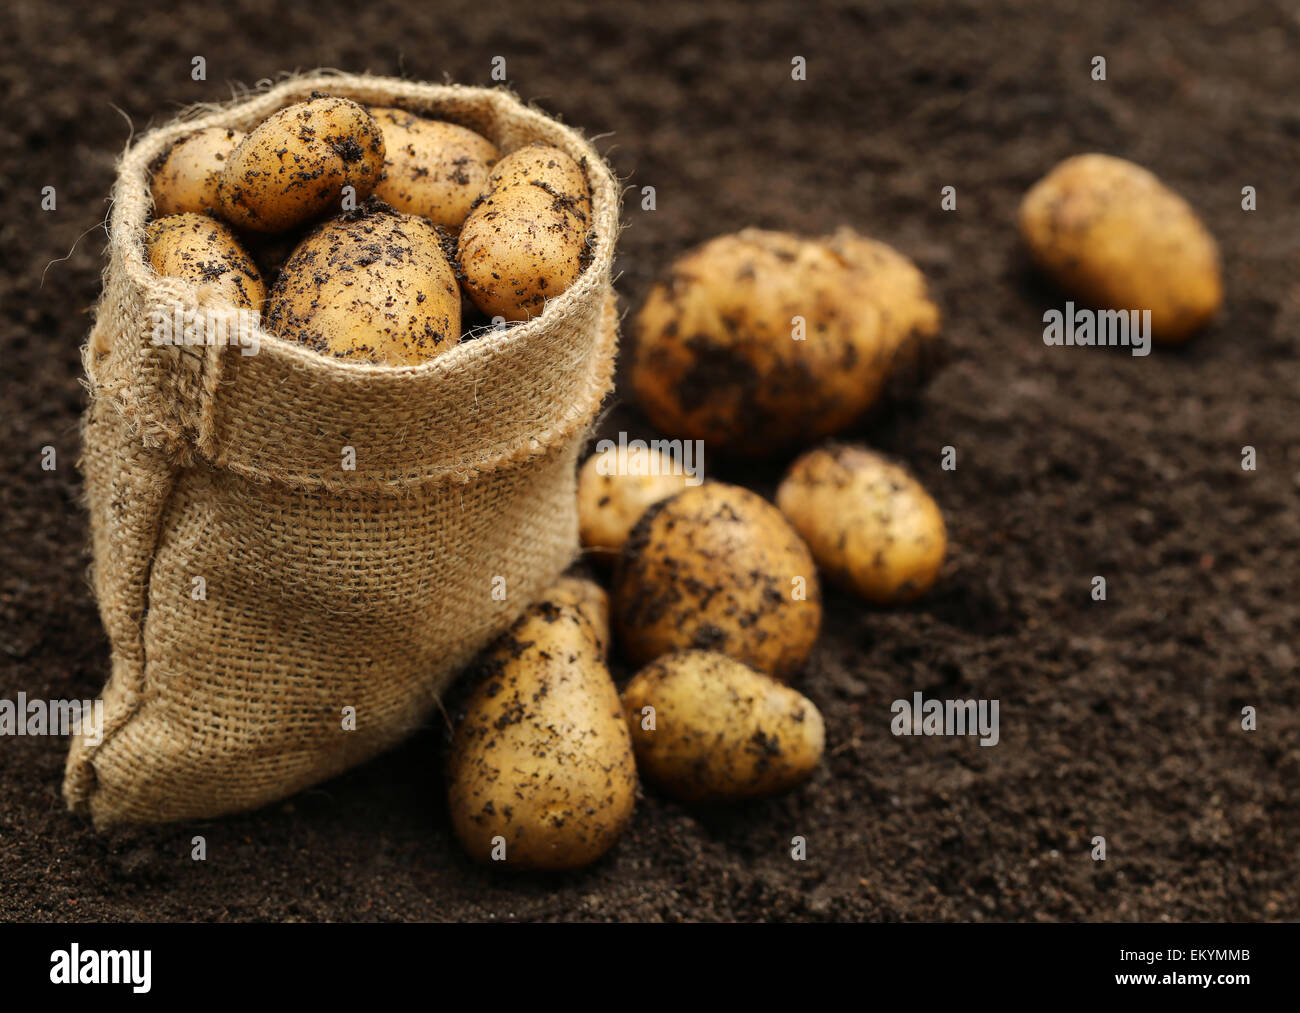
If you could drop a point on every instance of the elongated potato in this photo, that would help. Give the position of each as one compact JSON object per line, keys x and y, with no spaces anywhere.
{"x":1110,"y":233}
{"x":433,"y":168}
{"x":759,"y":341}
{"x":525,"y":240}
{"x":541,"y":773}
{"x":871,"y":526}
{"x":717,"y":567}
{"x":205,"y":251}
{"x":610,"y":502}
{"x":706,"y":728}
{"x":186,"y":179}
{"x":292,"y":168}
{"x":372,"y":285}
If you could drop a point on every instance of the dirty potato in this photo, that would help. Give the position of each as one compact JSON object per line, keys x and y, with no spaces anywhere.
{"x":758,"y":341}
{"x":706,"y":728}
{"x":871,"y":526}
{"x":1111,"y":234}
{"x":610,"y":503}
{"x":525,"y":241}
{"x":292,"y":168}
{"x":186,"y":179}
{"x":205,"y":251}
{"x":541,"y":763}
{"x":590,"y":600}
{"x":372,"y":285}
{"x":718,"y":568}
{"x":433,"y":168}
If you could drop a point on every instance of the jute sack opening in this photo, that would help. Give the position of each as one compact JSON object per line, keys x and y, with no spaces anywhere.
{"x":252,"y":587}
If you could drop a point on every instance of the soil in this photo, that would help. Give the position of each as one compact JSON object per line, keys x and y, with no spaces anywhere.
{"x":1119,"y":718}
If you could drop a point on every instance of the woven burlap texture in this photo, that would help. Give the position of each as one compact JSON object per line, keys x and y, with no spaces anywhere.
{"x":251,"y":586}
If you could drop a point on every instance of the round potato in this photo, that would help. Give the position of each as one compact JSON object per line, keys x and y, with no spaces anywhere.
{"x":186,"y":179}
{"x":610,"y":503}
{"x":1110,"y":233}
{"x":758,"y":341}
{"x":433,"y":168}
{"x":205,"y":251}
{"x":706,"y":728}
{"x":871,"y":526}
{"x":371,"y":285}
{"x":717,"y":567}
{"x":540,"y":772}
{"x":292,"y":168}
{"x":590,"y":600}
{"x":525,"y":241}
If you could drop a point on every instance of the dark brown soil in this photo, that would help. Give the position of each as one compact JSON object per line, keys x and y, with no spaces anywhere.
{"x":1118,"y":718}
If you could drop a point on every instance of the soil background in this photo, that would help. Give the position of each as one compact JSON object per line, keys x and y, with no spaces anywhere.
{"x":1119,"y":718}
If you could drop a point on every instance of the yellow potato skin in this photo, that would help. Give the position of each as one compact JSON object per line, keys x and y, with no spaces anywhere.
{"x":609,"y":505}
{"x":525,"y":240}
{"x":716,"y":357}
{"x":205,"y":251}
{"x":722,"y":732}
{"x":713,"y":568}
{"x":542,"y":756}
{"x":337,"y":296}
{"x":870,"y":525}
{"x":1111,"y":234}
{"x":433,"y":168}
{"x":291,"y":169}
{"x":590,"y":600}
{"x":186,"y":179}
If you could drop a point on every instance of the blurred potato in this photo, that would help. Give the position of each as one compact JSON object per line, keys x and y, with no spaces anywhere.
{"x":610,"y":503}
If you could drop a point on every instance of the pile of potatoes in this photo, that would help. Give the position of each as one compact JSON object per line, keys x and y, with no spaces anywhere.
{"x":369,"y":234}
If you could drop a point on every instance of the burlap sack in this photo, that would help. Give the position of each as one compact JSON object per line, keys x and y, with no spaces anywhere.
{"x":322,"y":588}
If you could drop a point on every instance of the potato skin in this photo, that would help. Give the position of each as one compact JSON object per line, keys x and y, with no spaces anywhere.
{"x":291,"y":169}
{"x":871,"y":526}
{"x":542,"y":756}
{"x":1110,"y":233}
{"x":722,"y":731}
{"x":525,"y":240}
{"x":186,"y":179}
{"x":205,"y":251}
{"x":716,"y":358}
{"x":433,"y":168}
{"x":609,"y":505}
{"x":713,"y":568}
{"x":372,"y":285}
{"x":590,"y":600}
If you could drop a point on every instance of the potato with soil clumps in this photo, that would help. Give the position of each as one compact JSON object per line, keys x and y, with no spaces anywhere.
{"x":758,"y":341}
{"x":525,"y":241}
{"x":433,"y":168}
{"x":540,"y":771}
{"x":186,"y":179}
{"x":292,"y":168}
{"x":706,"y":728}
{"x":718,"y":568}
{"x":590,"y":600}
{"x":372,"y":285}
{"x":871,"y":526}
{"x":1110,"y":233}
{"x":205,"y":251}
{"x":610,"y":503}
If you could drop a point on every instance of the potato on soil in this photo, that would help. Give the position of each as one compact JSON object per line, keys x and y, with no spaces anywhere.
{"x":1111,"y":234}
{"x":758,"y":341}
{"x":292,"y":168}
{"x":186,"y":179}
{"x":589,"y":599}
{"x":717,"y":568}
{"x":205,"y":251}
{"x":719,"y":731}
{"x":525,"y":241}
{"x":542,"y":756}
{"x":871,"y":526}
{"x":433,"y":168}
{"x":609,"y":504}
{"x":372,"y":285}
